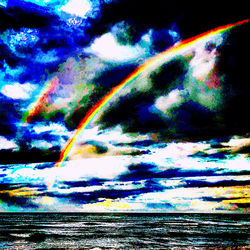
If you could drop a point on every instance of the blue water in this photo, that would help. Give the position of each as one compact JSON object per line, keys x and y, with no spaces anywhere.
{"x":123,"y":231}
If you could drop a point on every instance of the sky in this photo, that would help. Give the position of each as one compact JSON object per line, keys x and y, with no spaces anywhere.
{"x":175,"y":139}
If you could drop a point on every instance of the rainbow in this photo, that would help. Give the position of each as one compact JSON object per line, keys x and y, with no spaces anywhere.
{"x":153,"y":62}
{"x":43,"y":97}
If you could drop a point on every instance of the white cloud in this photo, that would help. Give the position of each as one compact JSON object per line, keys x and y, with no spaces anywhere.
{"x":173,"y":99}
{"x":111,"y":135}
{"x":5,"y":144}
{"x":54,"y":128}
{"x":41,"y":144}
{"x":108,"y":48}
{"x":108,"y":185}
{"x":104,"y":168}
{"x":77,"y":7}
{"x":18,"y":91}
{"x":203,"y":62}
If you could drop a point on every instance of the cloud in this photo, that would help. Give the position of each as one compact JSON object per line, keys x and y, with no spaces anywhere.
{"x":11,"y":73}
{"x":156,"y":178}
{"x":22,"y":41}
{"x":41,"y":144}
{"x":52,"y":128}
{"x":19,"y":195}
{"x":114,"y":136}
{"x":172,"y":100}
{"x":109,"y":49}
{"x":3,"y":3}
{"x":18,"y":91}
{"x":31,"y":51}
{"x":77,"y":7}
{"x":45,"y":2}
{"x":164,"y":38}
{"x":7,"y":144}
{"x":47,"y":57}
{"x":108,"y":190}
{"x":128,"y":33}
{"x":185,"y":96}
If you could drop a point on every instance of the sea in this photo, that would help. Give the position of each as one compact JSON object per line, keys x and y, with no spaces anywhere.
{"x":124,"y":231}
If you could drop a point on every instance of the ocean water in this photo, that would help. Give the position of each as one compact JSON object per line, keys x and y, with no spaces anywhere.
{"x":123,"y":231}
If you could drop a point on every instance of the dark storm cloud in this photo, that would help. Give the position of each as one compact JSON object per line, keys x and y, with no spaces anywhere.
{"x":113,"y":76}
{"x":242,"y":172}
{"x":18,"y":31}
{"x":8,"y":195}
{"x":113,"y":192}
{"x":145,"y":171}
{"x":242,"y":205}
{"x":223,"y":183}
{"x":136,"y":111}
{"x":161,"y":14}
{"x":133,"y":112}
{"x":126,"y":33}
{"x":220,"y":199}
{"x":233,"y":66}
{"x":16,"y":16}
{"x":91,"y":182}
{"x":236,"y":201}
{"x":17,"y":201}
{"x":139,"y":172}
{"x":38,"y":46}
{"x":134,"y":17}
{"x":189,"y":118}
{"x":8,"y":116}
{"x":33,"y":145}
{"x":55,"y":39}
{"x":210,"y":157}
{"x":164,"y":38}
{"x":169,"y":75}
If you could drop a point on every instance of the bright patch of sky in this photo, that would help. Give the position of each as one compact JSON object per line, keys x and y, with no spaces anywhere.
{"x":77,"y":7}
{"x":71,"y":171}
{"x":18,"y":91}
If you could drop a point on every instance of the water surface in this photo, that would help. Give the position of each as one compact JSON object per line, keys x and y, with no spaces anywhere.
{"x":123,"y":231}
